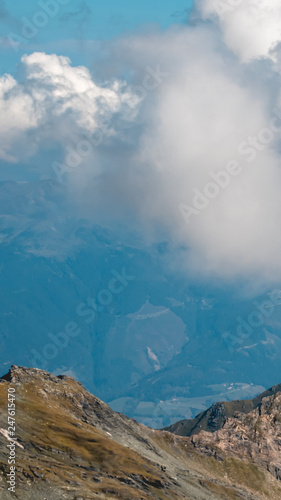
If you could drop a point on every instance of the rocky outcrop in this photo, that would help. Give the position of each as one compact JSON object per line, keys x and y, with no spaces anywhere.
{"x":214,"y":418}
{"x":255,"y":436}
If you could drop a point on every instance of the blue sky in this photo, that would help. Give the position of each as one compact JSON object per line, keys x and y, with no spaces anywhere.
{"x":70,"y":31}
{"x":80,"y":20}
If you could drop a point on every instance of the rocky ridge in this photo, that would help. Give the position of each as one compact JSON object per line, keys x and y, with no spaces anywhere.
{"x":72,"y":446}
{"x":256,"y":435}
{"x":214,"y":418}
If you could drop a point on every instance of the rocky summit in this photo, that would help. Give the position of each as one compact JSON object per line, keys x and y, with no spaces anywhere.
{"x":70,"y":445}
{"x":214,"y":418}
{"x":256,"y":435}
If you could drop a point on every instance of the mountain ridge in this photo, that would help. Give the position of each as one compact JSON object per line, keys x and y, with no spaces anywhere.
{"x":72,"y":446}
{"x":66,"y":258}
{"x":213,"y":419}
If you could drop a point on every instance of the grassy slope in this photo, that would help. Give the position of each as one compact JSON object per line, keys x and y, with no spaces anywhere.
{"x":63,"y":451}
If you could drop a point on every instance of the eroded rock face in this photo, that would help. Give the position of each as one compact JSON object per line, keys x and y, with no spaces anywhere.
{"x":256,"y":435}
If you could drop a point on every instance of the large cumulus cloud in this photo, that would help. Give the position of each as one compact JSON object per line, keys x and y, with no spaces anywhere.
{"x":51,"y":101}
{"x":212,"y":105}
{"x":250,"y":28}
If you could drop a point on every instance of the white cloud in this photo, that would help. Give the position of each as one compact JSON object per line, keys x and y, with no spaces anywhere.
{"x":54,"y":97}
{"x":16,"y":109}
{"x":251,"y":28}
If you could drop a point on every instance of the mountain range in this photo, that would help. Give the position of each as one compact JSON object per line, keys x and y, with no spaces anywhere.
{"x":213,"y":419}
{"x":70,"y":445}
{"x":162,"y":349}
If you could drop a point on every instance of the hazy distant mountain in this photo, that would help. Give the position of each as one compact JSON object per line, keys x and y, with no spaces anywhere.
{"x":155,"y":349}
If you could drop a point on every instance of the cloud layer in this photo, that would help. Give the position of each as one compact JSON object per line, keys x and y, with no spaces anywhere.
{"x":250,"y":28}
{"x":190,"y":147}
{"x":53,"y":101}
